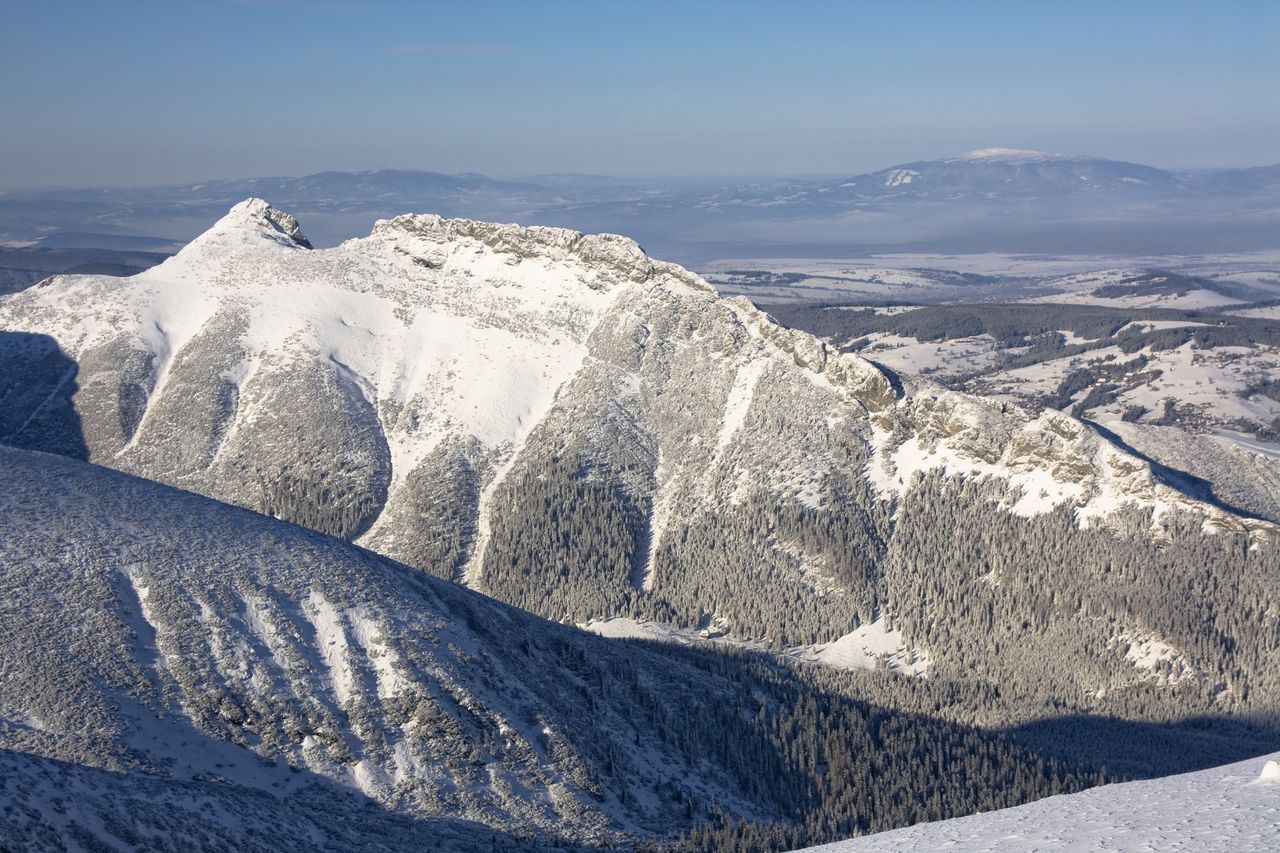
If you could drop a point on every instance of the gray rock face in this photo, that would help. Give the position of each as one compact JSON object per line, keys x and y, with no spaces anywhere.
{"x":256,"y":213}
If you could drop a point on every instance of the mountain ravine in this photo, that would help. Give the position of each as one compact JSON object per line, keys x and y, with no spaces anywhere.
{"x":567,"y":425}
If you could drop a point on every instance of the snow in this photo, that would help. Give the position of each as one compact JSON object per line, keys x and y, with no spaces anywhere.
{"x":908,"y":355}
{"x":1192,"y":300}
{"x":444,"y":318}
{"x":637,"y":629}
{"x":895,"y":467}
{"x":1070,"y":338}
{"x":471,"y":573}
{"x":1007,"y":276}
{"x":899,"y":177}
{"x":167,"y":326}
{"x":1045,"y":461}
{"x":369,"y":674}
{"x":1269,"y":312}
{"x":665,"y":495}
{"x":1156,"y":659}
{"x":342,"y":302}
{"x":1209,"y":381}
{"x":1014,"y":155}
{"x":1153,"y":325}
{"x":739,"y":400}
{"x":1266,"y":449}
{"x":450,"y":330}
{"x":864,"y":648}
{"x":1232,"y":809}
{"x":331,"y":640}
{"x":372,"y":637}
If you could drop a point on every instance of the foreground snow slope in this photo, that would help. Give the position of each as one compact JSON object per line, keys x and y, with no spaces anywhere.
{"x":54,"y":805}
{"x":1231,"y":809}
{"x":166,"y":635}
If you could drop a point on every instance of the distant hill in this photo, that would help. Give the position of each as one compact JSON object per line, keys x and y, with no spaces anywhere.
{"x":993,"y":199}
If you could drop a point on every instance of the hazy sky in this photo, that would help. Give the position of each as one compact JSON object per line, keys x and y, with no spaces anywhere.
{"x":104,"y":93}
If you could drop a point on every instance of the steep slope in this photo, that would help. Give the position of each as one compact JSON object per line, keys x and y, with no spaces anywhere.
{"x":55,"y":805}
{"x":572,"y":427}
{"x":172,"y":667}
{"x":1232,"y":809}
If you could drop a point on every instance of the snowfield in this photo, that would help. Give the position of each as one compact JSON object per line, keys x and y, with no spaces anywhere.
{"x":866,"y":647}
{"x":1231,"y":809}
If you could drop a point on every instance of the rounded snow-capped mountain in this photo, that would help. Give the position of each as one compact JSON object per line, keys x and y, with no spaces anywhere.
{"x":1009,"y":155}
{"x":1001,"y":173}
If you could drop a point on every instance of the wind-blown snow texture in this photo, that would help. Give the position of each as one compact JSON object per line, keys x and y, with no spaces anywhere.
{"x":158,"y":632}
{"x":1231,"y":809}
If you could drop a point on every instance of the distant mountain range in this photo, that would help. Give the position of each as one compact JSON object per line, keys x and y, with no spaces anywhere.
{"x":995,"y":172}
{"x":991,"y":199}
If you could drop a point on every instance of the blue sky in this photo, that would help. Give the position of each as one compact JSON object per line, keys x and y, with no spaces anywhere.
{"x":106,"y":93}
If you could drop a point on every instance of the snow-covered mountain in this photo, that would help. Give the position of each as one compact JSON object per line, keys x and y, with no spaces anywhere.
{"x":176,"y":673}
{"x":564,"y":423}
{"x":1230,"y":809}
{"x":990,"y":173}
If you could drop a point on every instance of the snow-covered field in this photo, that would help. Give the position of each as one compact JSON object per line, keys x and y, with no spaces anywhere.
{"x":1266,"y":312}
{"x":1209,"y":380}
{"x":1232,"y":809}
{"x":983,"y":277}
{"x":908,"y":355}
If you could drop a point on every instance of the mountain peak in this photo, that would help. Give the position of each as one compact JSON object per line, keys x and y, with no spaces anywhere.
{"x":257,"y":215}
{"x":618,"y":257}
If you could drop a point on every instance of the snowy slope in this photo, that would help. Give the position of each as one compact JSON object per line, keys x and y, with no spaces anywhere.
{"x":56,"y":805}
{"x":162,"y":635}
{"x":1231,"y":809}
{"x":246,"y":294}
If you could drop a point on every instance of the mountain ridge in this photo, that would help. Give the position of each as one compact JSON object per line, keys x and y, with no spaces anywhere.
{"x":570,"y":426}
{"x":690,"y":220}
